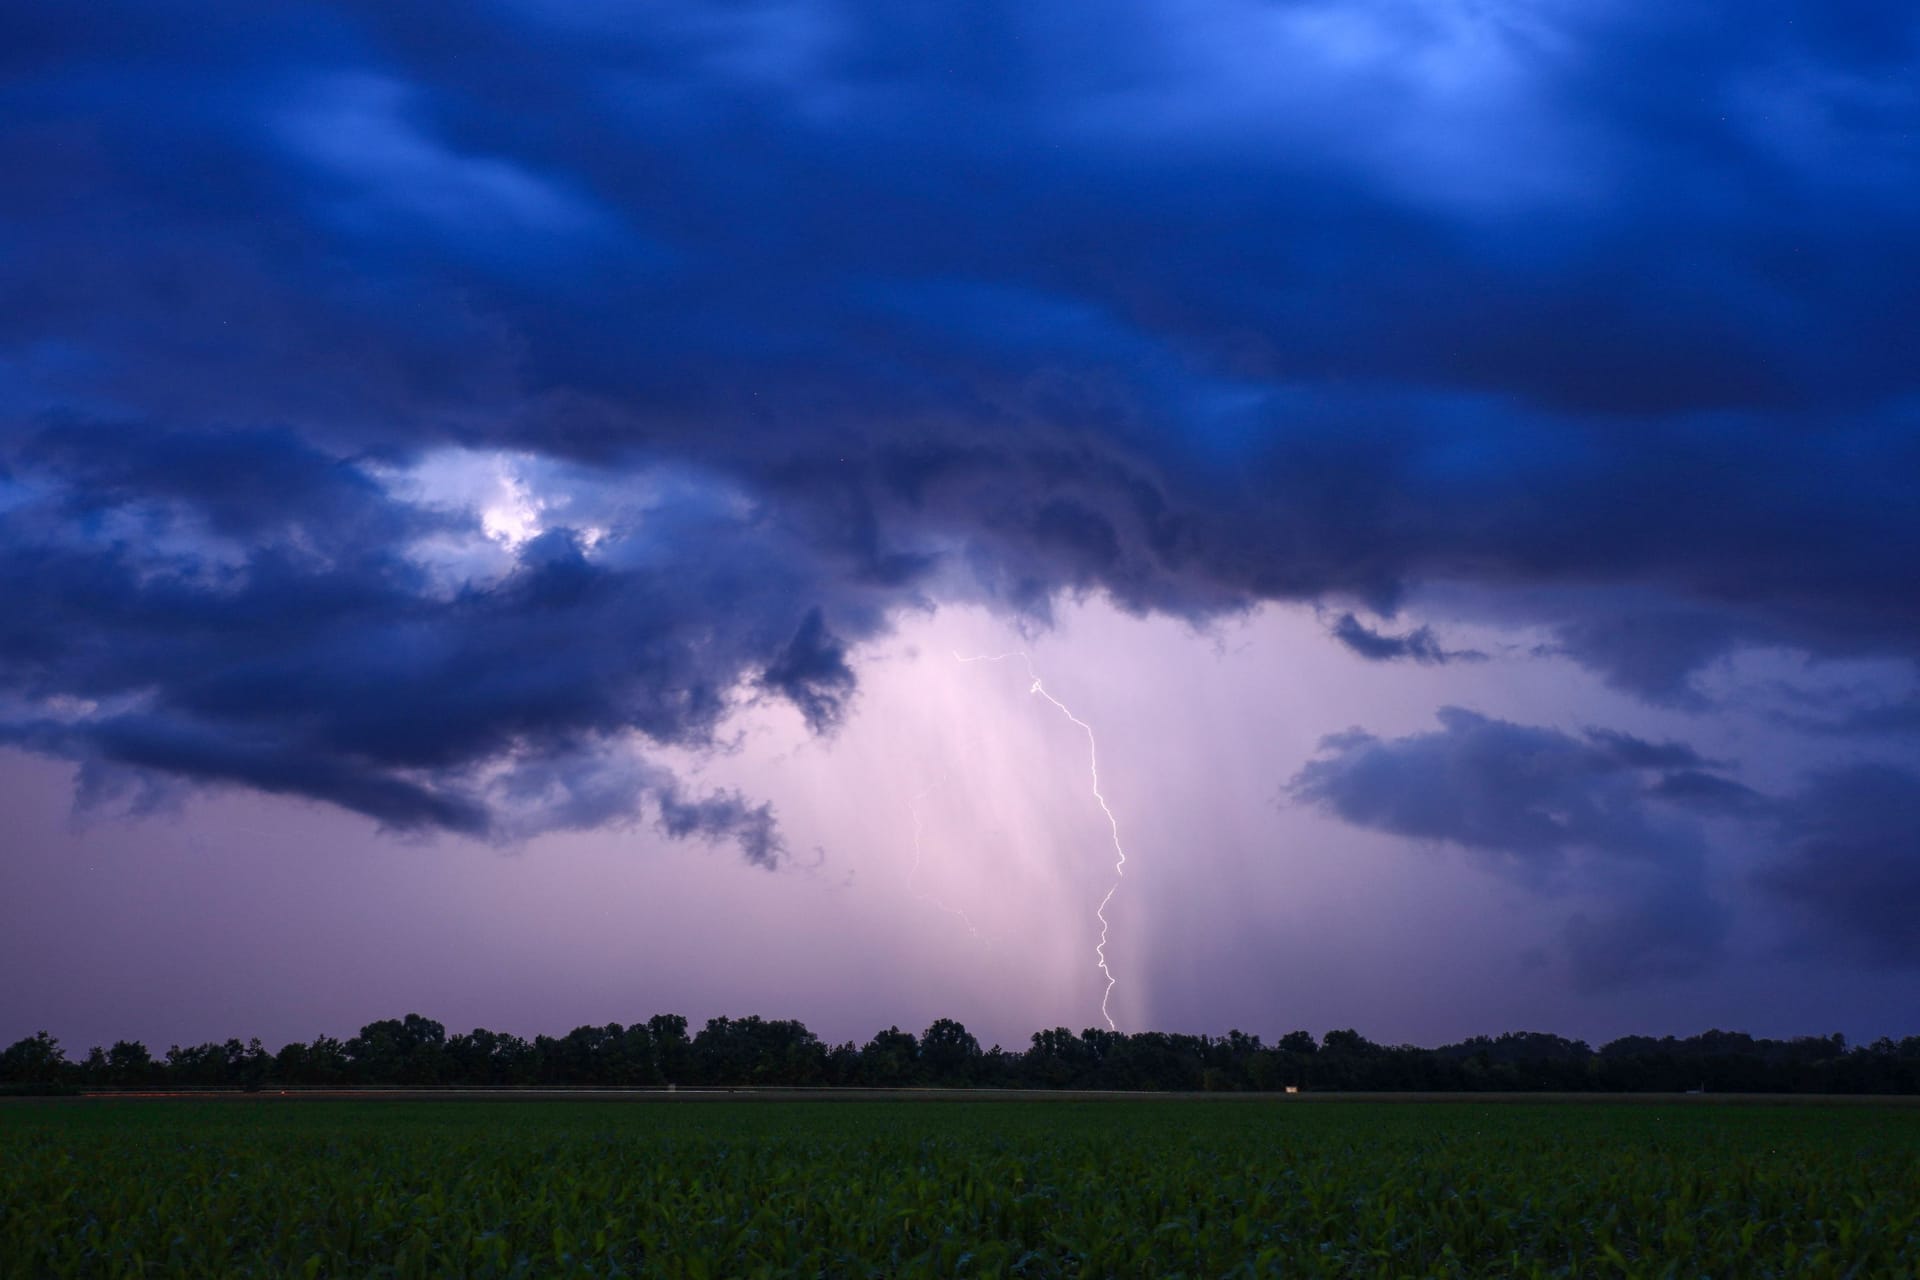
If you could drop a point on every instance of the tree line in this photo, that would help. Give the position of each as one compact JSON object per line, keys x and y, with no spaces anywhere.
{"x":417,"y":1051}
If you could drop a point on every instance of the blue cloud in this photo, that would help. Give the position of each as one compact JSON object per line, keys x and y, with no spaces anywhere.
{"x":1607,"y":816}
{"x":1295,"y":301}
{"x":1850,"y":869}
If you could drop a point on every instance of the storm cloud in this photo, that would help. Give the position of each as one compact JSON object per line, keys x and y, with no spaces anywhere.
{"x":277,"y":618}
{"x":1619,"y":819}
{"x":1419,"y":645}
{"x":1850,"y":871}
{"x":1602,"y":815}
{"x":422,"y":411}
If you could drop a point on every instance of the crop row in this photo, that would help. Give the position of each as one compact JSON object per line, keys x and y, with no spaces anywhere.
{"x":901,"y":1189}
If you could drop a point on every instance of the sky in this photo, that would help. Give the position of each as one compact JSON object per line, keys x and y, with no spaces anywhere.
{"x":496,"y":502}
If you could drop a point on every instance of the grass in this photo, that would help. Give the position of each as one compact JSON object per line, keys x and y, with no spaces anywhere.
{"x":1032,"y":1189}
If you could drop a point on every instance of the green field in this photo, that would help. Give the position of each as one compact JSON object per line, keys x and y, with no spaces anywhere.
{"x":1132,"y":1188}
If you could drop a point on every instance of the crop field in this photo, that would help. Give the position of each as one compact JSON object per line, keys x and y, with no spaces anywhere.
{"x":894,"y":1189}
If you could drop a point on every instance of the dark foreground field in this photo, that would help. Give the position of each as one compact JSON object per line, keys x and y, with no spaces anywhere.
{"x":1034,"y":1189}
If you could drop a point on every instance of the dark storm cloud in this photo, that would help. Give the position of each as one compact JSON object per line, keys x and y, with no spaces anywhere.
{"x":1887,"y":717}
{"x":1525,"y":794}
{"x":1298,"y":301}
{"x":1554,"y":813}
{"x":812,"y":673}
{"x":1709,"y":793}
{"x":1616,"y":818}
{"x":250,"y":618}
{"x":1420,"y":644}
{"x":1653,"y":652}
{"x":1851,"y":867}
{"x":1879,"y":716}
{"x":585,"y":791}
{"x":1639,"y":753}
{"x":242,"y":484}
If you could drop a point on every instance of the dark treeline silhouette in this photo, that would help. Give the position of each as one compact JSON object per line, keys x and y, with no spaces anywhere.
{"x":417,"y":1051}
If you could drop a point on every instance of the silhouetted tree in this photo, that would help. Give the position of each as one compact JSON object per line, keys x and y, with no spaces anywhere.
{"x":36,"y":1060}
{"x":891,"y":1058}
{"x":671,"y":1049}
{"x":949,"y":1052}
{"x":409,"y":1050}
{"x":755,"y":1050}
{"x":129,"y":1064}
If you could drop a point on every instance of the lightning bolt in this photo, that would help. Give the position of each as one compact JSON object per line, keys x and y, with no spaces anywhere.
{"x":1113,"y":823}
